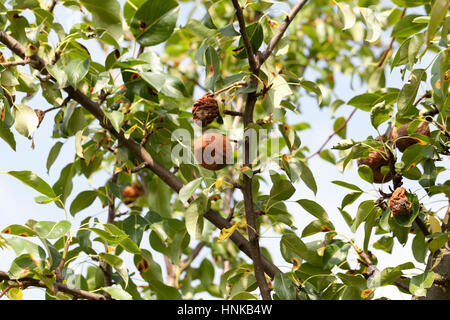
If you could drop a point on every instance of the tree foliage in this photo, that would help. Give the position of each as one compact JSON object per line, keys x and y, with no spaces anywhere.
{"x":124,"y":106}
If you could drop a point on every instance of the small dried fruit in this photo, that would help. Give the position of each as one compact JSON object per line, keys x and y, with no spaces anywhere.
{"x":213,"y":150}
{"x":399,"y":203}
{"x":40,"y":114}
{"x":132,"y":192}
{"x":375,"y":161}
{"x":401,"y":136}
{"x":205,"y":110}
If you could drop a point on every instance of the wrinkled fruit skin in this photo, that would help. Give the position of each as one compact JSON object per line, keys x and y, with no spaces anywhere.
{"x":212,"y":150}
{"x":400,"y":135}
{"x":40,"y":114}
{"x":132,"y":192}
{"x":399,"y":203}
{"x":205,"y":110}
{"x":375,"y":161}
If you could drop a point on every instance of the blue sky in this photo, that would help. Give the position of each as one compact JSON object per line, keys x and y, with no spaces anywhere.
{"x":18,"y":205}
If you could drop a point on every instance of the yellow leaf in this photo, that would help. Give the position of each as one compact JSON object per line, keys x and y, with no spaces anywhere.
{"x":434,"y":224}
{"x":366,"y":293}
{"x":14,"y":294}
{"x":227,"y":232}
{"x":219,"y":182}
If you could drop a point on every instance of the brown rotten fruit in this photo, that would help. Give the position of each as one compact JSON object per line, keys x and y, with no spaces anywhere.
{"x":205,"y":110}
{"x":132,"y":192}
{"x":212,"y":150}
{"x":399,"y":203}
{"x":375,"y":161}
{"x":401,"y":137}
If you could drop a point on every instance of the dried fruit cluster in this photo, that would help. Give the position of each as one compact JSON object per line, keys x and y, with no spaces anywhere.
{"x":399,"y":138}
{"x":399,"y":203}
{"x":211,"y":150}
{"x":205,"y":110}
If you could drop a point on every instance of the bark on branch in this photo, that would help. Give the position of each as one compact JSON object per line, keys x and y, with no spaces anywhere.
{"x":30,"y":282}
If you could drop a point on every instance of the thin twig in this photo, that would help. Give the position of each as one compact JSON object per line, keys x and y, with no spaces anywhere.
{"x":233,"y":113}
{"x":30,"y":282}
{"x":235,"y":84}
{"x":52,"y":6}
{"x":59,"y":269}
{"x":335,"y":132}
{"x":62,"y":105}
{"x":389,"y":47}
{"x":23,"y":62}
{"x":280,"y":31}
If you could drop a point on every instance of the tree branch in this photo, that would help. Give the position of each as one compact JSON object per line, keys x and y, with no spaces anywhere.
{"x":280,"y":31}
{"x":389,"y":48}
{"x":341,"y":127}
{"x":30,"y":282}
{"x":16,"y":63}
{"x":243,"y":30}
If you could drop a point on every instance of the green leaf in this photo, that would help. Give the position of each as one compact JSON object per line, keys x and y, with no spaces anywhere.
{"x":307,"y":177}
{"x":347,"y":185}
{"x":53,"y":154}
{"x":315,"y":209}
{"x":26,"y":120}
{"x":372,"y":24}
{"x":414,"y":47}
{"x":338,"y":123}
{"x":364,"y":209}
{"x":347,"y":14}
{"x":116,"y":118}
{"x":117,"y":263}
{"x":118,"y":293}
{"x":189,"y":189}
{"x":335,"y":254}
{"x":154,"y":21}
{"x":21,"y":266}
{"x":385,"y":243}
{"x":256,"y":37}
{"x":410,"y":3}
{"x":350,"y":198}
{"x":364,"y":101}
{"x":57,"y":72}
{"x":366,"y":173}
{"x":63,"y":187}
{"x":312,"y":87}
{"x":419,"y":284}
{"x":244,"y":296}
{"x":159,"y":197}
{"x":419,"y":247}
{"x":408,"y":93}
{"x":52,"y":230}
{"x":212,"y":68}
{"x":106,"y":15}
{"x":114,"y":238}
{"x":76,"y":70}
{"x":194,"y":216}
{"x":83,"y":200}
{"x":282,"y":189}
{"x":8,"y":137}
{"x":380,"y":113}
{"x":166,"y":84}
{"x":406,"y":27}
{"x":402,"y":54}
{"x":295,"y":244}
{"x":437,"y":15}
{"x":32,"y":180}
{"x":283,"y":287}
